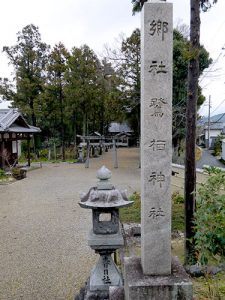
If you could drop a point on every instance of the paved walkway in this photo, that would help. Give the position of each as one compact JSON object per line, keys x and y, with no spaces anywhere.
{"x":208,"y":159}
{"x":43,"y":231}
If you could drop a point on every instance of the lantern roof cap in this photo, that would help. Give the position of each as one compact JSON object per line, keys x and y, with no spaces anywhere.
{"x":104,"y":195}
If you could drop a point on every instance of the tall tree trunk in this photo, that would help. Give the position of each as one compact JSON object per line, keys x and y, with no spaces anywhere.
{"x":84,"y":125}
{"x":190,"y":164}
{"x":74,"y":135}
{"x":62,"y":122}
{"x":33,"y":116}
{"x":34,"y":123}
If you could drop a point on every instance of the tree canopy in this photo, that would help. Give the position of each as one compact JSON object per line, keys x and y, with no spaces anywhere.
{"x":74,"y":92}
{"x":204,"y":4}
{"x":127,"y":63}
{"x":29,"y":58}
{"x":64,"y":92}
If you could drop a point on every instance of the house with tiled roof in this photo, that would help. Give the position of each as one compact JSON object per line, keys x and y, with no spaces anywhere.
{"x":212,"y":132}
{"x":121,"y":132}
{"x":13,"y":129}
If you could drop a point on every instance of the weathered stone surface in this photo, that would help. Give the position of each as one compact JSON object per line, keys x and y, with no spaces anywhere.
{"x":103,"y":241}
{"x":96,"y":198}
{"x":176,"y":286}
{"x":105,"y":274}
{"x":105,"y":227}
{"x":156,"y":136}
{"x":116,"y":293}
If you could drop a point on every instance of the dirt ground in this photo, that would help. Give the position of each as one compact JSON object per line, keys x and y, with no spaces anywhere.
{"x":43,"y":230}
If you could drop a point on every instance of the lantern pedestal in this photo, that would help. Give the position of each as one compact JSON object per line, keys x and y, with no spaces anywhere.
{"x":105,"y":274}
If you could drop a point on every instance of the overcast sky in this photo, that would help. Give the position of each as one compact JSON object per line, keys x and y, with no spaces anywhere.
{"x":99,"y":22}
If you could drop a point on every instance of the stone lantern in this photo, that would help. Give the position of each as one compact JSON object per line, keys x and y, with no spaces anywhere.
{"x":106,"y":236}
{"x":80,"y":154}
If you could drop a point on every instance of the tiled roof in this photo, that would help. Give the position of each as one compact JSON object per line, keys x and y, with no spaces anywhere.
{"x":8,"y":118}
{"x":119,"y":127}
{"x":215,"y":126}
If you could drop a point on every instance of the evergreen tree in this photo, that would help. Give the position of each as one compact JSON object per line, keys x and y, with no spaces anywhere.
{"x":180,"y":81}
{"x":126,"y":63}
{"x":112,"y":85}
{"x":28,"y":57}
{"x":53,"y":102}
{"x":130,"y":72}
{"x":83,"y":87}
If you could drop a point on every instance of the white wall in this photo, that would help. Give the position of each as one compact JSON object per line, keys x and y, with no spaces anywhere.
{"x":213,"y":133}
{"x":223,"y":150}
{"x":14,"y":148}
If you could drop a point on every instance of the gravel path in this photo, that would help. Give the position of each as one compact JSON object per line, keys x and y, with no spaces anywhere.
{"x":43,"y":231}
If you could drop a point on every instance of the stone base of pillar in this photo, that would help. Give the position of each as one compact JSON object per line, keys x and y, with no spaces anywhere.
{"x":176,"y":286}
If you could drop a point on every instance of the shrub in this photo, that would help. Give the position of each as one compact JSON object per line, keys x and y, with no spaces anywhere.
{"x":43,"y":154}
{"x":2,"y":174}
{"x":177,"y":198}
{"x":218,"y":145}
{"x":18,"y":173}
{"x":210,"y":217}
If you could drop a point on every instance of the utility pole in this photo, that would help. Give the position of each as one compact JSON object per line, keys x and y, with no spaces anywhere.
{"x":209,"y":122}
{"x":191,"y":116}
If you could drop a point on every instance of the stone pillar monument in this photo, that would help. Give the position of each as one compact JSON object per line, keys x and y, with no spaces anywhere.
{"x":156,"y":136}
{"x":155,"y":275}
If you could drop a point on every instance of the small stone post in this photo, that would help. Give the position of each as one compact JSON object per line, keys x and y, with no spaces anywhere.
{"x":115,"y":160}
{"x":80,"y":154}
{"x":88,"y":154}
{"x":55,"y":151}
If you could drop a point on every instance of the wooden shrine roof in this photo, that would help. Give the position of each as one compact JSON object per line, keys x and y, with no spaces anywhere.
{"x":11,"y":120}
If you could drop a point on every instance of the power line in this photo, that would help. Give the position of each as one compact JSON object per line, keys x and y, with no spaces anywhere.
{"x":212,"y":65}
{"x":218,"y":105}
{"x":210,"y":68}
{"x":217,"y":121}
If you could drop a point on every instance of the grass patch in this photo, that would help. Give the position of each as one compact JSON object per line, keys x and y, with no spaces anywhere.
{"x":5,"y":178}
{"x":209,"y":287}
{"x":178,"y":217}
{"x":3,"y":175}
{"x":205,"y":288}
{"x":132,"y":214}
